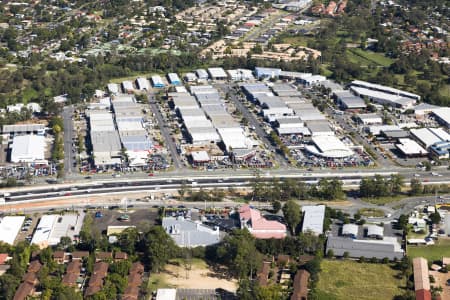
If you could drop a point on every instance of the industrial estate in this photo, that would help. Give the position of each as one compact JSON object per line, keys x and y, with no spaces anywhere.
{"x":225,"y":150}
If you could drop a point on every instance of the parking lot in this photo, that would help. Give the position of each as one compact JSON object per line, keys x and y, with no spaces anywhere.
{"x":141,"y":218}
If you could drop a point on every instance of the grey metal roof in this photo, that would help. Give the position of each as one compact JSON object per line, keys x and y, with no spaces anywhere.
{"x":22,"y":128}
{"x":366,"y":248}
{"x":187,"y":233}
{"x":313,"y":217}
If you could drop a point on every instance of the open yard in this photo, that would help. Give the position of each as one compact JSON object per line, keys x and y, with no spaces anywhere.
{"x":346,"y":279}
{"x":431,"y":252}
{"x":200,"y":276}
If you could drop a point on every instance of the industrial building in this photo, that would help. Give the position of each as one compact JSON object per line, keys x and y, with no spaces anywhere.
{"x":142,"y":84}
{"x":127,"y":86}
{"x":217,"y":74}
{"x":440,"y":150}
{"x":410,"y":148}
{"x":312,"y":80}
{"x":313,"y":218}
{"x":233,"y":138}
{"x":190,"y":234}
{"x":384,"y":89}
{"x":51,"y":228}
{"x":113,"y":88}
{"x":240,"y":75}
{"x":190,"y":77}
{"x":429,"y":136}
{"x":174,"y":79}
{"x":347,"y":101}
{"x":9,"y":228}
{"x":27,"y":148}
{"x":369,"y":119}
{"x":157,"y":81}
{"x":443,"y":116}
{"x":20,"y":129}
{"x":202,"y":75}
{"x":388,"y":247}
{"x":382,"y":98}
{"x":329,"y":147}
{"x":267,"y":73}
{"x":319,"y":128}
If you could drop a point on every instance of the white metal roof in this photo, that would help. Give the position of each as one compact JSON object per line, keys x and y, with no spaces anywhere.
{"x":174,"y":79}
{"x":443,"y":114}
{"x":166,"y":294}
{"x":113,"y":88}
{"x":429,"y":136}
{"x":233,"y":138}
{"x":27,"y":148}
{"x":200,"y":156}
{"x":10,"y":227}
{"x":43,"y":230}
{"x":157,"y":80}
{"x":410,"y":147}
{"x":313,"y":217}
{"x":202,"y":74}
{"x":143,"y":83}
{"x":384,"y":88}
{"x":331,"y":146}
{"x":127,"y":85}
{"x":377,"y":95}
{"x":350,"y":229}
{"x":217,"y":73}
{"x":375,"y":230}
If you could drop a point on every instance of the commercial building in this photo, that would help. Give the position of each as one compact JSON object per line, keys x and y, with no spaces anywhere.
{"x":266,"y":73}
{"x":369,"y":119}
{"x":174,"y":79}
{"x":260,"y":227}
{"x":410,"y":148}
{"x":313,"y":218}
{"x":312,"y":80}
{"x":217,"y":73}
{"x":383,"y":98}
{"x":202,"y":74}
{"x":389,"y":247}
{"x":127,"y":86}
{"x":190,"y":234}
{"x":20,"y":129}
{"x":422,"y":285}
{"x":429,"y":136}
{"x":142,"y":84}
{"x":233,"y":139}
{"x":113,"y":88}
{"x":27,"y":148}
{"x":384,"y":89}
{"x":328,"y":146}
{"x":440,"y":150}
{"x":190,"y":77}
{"x":10,"y":227}
{"x":443,"y":116}
{"x":51,"y":228}
{"x":157,"y":81}
{"x":240,"y":75}
{"x":347,"y":101}
{"x":350,"y":230}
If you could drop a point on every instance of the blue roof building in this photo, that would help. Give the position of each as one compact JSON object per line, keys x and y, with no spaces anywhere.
{"x":267,"y":72}
{"x":174,"y":79}
{"x":440,"y":150}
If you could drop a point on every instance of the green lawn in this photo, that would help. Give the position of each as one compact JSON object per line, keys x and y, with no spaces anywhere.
{"x":371,"y":212}
{"x":374,"y":57}
{"x":384,"y":200}
{"x":431,"y":252}
{"x":157,"y":281}
{"x":346,"y":279}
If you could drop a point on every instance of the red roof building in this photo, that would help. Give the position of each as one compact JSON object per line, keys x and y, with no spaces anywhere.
{"x":421,"y":279}
{"x":258,"y":226}
{"x":3,"y":258}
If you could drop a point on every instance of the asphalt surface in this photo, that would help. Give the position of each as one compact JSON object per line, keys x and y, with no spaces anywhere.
{"x":165,"y":132}
{"x":226,"y":88}
{"x":69,"y":152}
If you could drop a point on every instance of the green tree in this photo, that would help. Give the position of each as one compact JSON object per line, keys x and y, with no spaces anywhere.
{"x":415,"y":187}
{"x":292,"y":215}
{"x":435,"y":218}
{"x":8,"y":286}
{"x":159,"y":248}
{"x":276,"y":205}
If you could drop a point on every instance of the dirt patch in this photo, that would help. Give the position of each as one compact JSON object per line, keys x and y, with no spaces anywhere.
{"x":199,"y":277}
{"x":441,"y":280}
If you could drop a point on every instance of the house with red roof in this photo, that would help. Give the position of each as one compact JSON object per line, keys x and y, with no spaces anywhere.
{"x":258,"y":226}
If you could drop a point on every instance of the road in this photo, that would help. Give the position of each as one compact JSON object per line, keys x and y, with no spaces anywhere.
{"x":226,"y":88}
{"x":165,"y":132}
{"x":69,"y":151}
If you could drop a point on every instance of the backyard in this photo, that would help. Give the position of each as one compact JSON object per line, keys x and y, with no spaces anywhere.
{"x":346,"y":279}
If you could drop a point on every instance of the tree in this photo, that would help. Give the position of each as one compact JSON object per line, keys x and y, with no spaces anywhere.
{"x":182,"y":191}
{"x":435,"y":218}
{"x":415,"y":187}
{"x":159,"y":248}
{"x":276,"y":205}
{"x":403,"y":221}
{"x":292,"y":215}
{"x":330,"y":253}
{"x":8,"y":286}
{"x":346,"y":255}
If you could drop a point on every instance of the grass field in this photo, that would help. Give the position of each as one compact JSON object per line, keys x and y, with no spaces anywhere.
{"x":371,"y":212}
{"x":431,"y":252}
{"x":376,"y":58}
{"x":384,"y":200}
{"x":345,"y":279}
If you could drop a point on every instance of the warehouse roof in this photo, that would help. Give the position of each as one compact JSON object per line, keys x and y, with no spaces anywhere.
{"x":375,"y":230}
{"x":388,"y":247}
{"x":350,"y":230}
{"x":200,"y":122}
{"x":143,"y":83}
{"x":10,"y":227}
{"x":223,"y":121}
{"x":313,"y":217}
{"x":136,"y":142}
{"x":166,"y":294}
{"x":310,"y":115}
{"x":430,"y":136}
{"x":383,"y":88}
{"x":202,"y":134}
{"x":319,"y":127}
{"x":200,"y":156}
{"x":113,"y":88}
{"x":27,"y":148}
{"x":395,"y":99}
{"x":51,"y":228}
{"x":215,"y":110}
{"x":294,"y":130}
{"x":105,"y":141}
{"x":410,"y":147}
{"x":19,"y":128}
{"x":174,"y":79}
{"x":202,"y":74}
{"x":217,"y":73}
{"x":443,"y":113}
{"x":233,"y":138}
{"x":185,"y":101}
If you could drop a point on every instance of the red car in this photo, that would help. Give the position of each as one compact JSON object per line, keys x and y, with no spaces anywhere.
{"x":151,"y":174}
